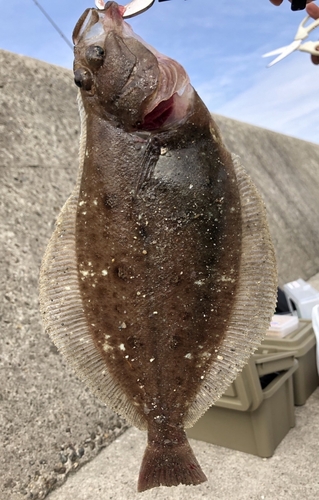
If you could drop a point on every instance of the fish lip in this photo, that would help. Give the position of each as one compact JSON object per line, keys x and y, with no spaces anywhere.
{"x":114,"y":10}
{"x":97,"y":22}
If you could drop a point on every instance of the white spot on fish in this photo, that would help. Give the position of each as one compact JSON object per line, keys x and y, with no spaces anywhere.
{"x":83,"y":213}
{"x":107,"y":347}
{"x":122,"y":347}
{"x":191,"y":186}
{"x":81,"y":203}
{"x":206,"y":355}
{"x":200,"y":282}
{"x":67,"y":288}
{"x":155,"y":312}
{"x":220,"y":358}
{"x":146,"y":410}
{"x":84,"y":273}
{"x":159,"y":419}
{"x":122,"y":326}
{"x":227,"y":278}
{"x":95,"y":202}
{"x":104,"y":272}
{"x":144,"y":252}
{"x":189,"y":356}
{"x":152,"y":359}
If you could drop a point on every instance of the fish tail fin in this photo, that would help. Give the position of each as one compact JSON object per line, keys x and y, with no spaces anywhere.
{"x":169,"y":464}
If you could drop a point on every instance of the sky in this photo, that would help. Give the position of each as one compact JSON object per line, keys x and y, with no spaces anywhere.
{"x":220,"y":44}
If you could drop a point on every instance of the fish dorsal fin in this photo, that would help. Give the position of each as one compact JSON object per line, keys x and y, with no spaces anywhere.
{"x":62,"y":308}
{"x":255,"y":299}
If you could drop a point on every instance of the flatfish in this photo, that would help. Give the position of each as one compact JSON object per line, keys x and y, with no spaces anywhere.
{"x":159,"y":280}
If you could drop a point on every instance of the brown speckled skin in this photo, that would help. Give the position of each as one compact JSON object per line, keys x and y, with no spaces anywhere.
{"x":155,"y":246}
{"x":153,"y":256}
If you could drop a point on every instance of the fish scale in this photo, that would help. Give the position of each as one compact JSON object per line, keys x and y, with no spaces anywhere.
{"x":159,"y":280}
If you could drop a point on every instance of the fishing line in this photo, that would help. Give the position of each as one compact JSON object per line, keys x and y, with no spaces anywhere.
{"x":55,"y":26}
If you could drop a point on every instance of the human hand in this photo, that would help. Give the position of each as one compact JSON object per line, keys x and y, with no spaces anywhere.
{"x":312,"y":11}
{"x":279,"y":2}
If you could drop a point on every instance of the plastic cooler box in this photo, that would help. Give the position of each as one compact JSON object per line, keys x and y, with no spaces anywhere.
{"x":257,"y":410}
{"x":302,"y":343}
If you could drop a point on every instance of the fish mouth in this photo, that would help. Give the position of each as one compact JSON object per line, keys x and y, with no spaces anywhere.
{"x":170,"y":101}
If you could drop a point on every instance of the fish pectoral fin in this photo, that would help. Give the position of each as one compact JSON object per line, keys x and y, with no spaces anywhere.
{"x":150,"y":158}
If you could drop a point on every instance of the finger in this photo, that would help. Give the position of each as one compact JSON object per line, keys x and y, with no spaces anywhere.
{"x":313,"y":10}
{"x":279,"y":2}
{"x":315,"y":59}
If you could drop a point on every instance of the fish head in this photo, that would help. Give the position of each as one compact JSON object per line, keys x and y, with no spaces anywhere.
{"x":122,"y":78}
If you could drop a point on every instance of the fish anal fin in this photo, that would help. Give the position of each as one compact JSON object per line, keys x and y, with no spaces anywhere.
{"x":169,"y":465}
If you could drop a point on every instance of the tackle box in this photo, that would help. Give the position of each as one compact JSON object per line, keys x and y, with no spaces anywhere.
{"x":301,"y":342}
{"x":257,"y":410}
{"x":281,"y":325}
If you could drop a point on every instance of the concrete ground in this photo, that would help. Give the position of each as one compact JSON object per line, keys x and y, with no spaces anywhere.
{"x":290,"y":474}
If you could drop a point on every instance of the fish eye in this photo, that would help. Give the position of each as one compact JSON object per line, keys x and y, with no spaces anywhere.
{"x":95,"y":56}
{"x":83,"y":78}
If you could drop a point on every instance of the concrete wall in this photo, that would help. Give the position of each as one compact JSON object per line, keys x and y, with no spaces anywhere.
{"x":49,"y":423}
{"x":286,"y":171}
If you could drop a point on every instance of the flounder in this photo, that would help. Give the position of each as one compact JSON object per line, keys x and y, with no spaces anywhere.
{"x":160,"y":279}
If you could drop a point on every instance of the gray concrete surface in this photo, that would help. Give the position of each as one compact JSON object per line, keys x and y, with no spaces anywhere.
{"x":50,"y":425}
{"x":49,"y":422}
{"x":285,"y":170}
{"x":290,"y":474}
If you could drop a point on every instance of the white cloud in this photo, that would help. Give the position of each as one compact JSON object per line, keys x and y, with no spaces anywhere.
{"x":283,"y":98}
